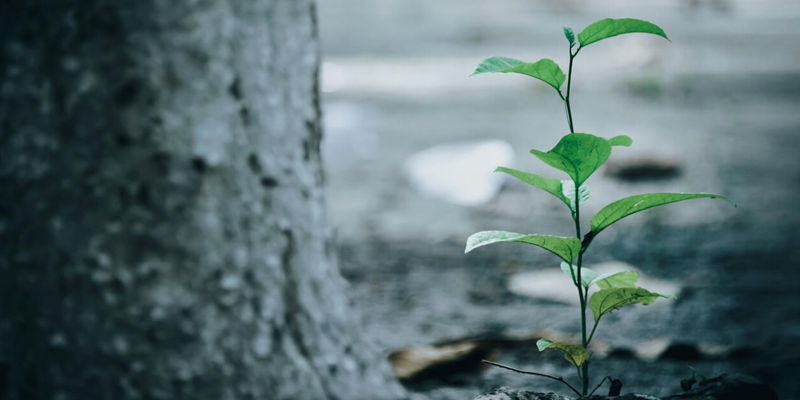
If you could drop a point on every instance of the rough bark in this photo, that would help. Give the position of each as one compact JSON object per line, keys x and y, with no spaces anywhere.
{"x":162,"y":224}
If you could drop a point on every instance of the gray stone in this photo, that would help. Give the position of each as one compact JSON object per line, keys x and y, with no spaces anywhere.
{"x":505,"y":393}
{"x":460,"y":173}
{"x":723,"y":387}
{"x":728,"y":387}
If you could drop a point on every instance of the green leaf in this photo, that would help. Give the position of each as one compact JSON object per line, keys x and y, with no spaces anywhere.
{"x":543,"y":343}
{"x":631,"y":205}
{"x":608,"y":300}
{"x":544,"y":70}
{"x":549,"y":185}
{"x":575,"y":354}
{"x":569,"y":34}
{"x":587,"y":275}
{"x":617,"y":280}
{"x":620,"y":140}
{"x":577,"y":154}
{"x":565,"y":247}
{"x":609,"y":27}
{"x":568,"y":190}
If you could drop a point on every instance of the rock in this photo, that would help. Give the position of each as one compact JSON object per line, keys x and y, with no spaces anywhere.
{"x":712,"y":350}
{"x":437,"y":361}
{"x":728,"y":387}
{"x":687,"y":384}
{"x":460,"y":173}
{"x":724,"y":387}
{"x":548,"y":284}
{"x":645,"y":169}
{"x":652,"y":349}
{"x":616,"y":388}
{"x":681,"y":351}
{"x":505,"y":393}
{"x":552,"y":284}
{"x":666,"y":349}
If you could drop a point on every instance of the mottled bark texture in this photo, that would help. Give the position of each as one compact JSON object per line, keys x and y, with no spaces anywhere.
{"x":162,"y":225}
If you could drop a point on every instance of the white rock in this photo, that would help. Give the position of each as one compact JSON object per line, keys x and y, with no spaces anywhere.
{"x":460,"y":173}
{"x":549,"y":284}
{"x":552,"y":284}
{"x":651,"y":349}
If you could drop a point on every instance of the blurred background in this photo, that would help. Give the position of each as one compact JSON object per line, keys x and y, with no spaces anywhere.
{"x":410,"y":142}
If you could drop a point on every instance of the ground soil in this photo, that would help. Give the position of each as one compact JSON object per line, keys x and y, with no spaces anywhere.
{"x":719,"y":102}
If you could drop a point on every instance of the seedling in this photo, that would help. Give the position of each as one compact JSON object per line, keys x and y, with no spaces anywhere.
{"x":579,"y":155}
{"x":687,"y":384}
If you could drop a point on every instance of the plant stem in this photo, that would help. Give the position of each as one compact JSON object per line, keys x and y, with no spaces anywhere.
{"x":566,"y":110}
{"x":584,"y":342}
{"x":591,"y":335}
{"x":569,"y":86}
{"x":577,"y":216}
{"x":555,"y":378}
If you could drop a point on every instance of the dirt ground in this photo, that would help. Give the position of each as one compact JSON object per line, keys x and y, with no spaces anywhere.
{"x":720,"y":102}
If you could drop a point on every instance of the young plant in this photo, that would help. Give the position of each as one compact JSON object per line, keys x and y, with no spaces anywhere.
{"x":579,"y":155}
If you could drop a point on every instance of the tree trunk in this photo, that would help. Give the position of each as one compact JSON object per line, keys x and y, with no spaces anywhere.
{"x":163,"y":233}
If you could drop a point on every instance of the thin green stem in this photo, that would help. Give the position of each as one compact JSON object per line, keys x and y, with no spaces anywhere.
{"x":573,"y":274}
{"x":577,"y":217}
{"x":569,"y":87}
{"x":594,"y":328}
{"x":584,"y":300}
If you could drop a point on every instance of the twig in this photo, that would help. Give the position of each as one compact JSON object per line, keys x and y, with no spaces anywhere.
{"x":560,"y":379}
{"x":601,"y":384}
